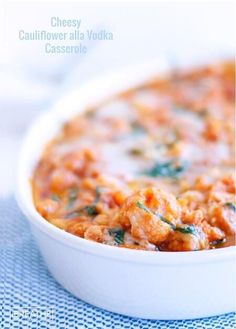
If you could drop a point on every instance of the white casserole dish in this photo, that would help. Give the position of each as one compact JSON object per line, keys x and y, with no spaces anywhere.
{"x":145,"y":284}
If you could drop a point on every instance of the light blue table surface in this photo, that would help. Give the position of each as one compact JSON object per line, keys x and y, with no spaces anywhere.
{"x":31,"y":298}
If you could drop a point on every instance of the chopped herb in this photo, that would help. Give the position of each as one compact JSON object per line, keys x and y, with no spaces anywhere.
{"x":91,"y":209}
{"x":73,"y":192}
{"x":142,"y":206}
{"x":97,"y":194}
{"x":118,"y":234}
{"x":163,"y":219}
{"x":187,"y":229}
{"x":230,"y":205}
{"x":167,"y":169}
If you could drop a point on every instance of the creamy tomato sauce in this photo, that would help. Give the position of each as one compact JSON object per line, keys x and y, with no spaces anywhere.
{"x":151,"y":169}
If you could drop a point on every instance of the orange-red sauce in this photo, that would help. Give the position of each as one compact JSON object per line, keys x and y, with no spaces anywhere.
{"x":152,"y":168}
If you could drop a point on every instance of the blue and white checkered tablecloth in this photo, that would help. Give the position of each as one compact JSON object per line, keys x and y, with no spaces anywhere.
{"x":31,"y":298}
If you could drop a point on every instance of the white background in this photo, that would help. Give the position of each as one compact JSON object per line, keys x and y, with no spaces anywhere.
{"x":30,"y":80}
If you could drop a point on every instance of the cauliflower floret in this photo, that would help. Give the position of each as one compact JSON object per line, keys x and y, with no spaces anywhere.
{"x":95,"y":233}
{"x":223,"y":216}
{"x":145,"y":212}
{"x":186,"y":242}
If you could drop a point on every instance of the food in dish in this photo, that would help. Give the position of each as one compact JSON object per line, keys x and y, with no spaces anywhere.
{"x":151,"y":168}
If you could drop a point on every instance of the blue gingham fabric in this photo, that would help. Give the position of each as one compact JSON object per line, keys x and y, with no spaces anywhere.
{"x":31,"y":298}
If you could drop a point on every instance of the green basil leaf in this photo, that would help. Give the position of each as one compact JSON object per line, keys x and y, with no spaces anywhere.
{"x":73,"y":192}
{"x":186,"y":229}
{"x":167,"y":169}
{"x":91,"y":209}
{"x":230,"y":205}
{"x":118,"y":234}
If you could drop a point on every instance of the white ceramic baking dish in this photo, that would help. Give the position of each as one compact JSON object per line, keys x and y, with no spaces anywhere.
{"x":145,"y":284}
